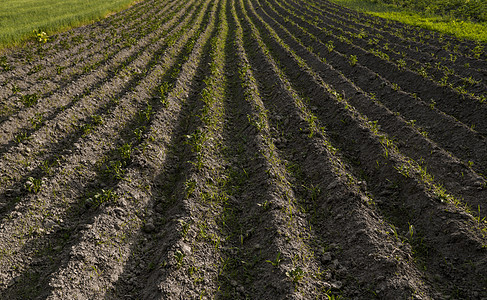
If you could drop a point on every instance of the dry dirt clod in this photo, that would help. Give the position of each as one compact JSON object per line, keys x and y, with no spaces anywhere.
{"x":326,"y":258}
{"x":149,"y":227}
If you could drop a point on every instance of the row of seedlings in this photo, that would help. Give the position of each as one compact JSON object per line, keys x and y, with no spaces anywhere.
{"x":380,"y":62}
{"x":425,"y":40}
{"x":153,"y":231}
{"x":267,"y":246}
{"x":378,"y":35}
{"x":411,"y":106}
{"x":36,"y":67}
{"x":392,"y":124}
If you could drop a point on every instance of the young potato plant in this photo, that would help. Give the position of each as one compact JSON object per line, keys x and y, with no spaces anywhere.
{"x":29,"y":99}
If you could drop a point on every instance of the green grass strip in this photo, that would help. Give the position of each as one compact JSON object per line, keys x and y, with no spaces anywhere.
{"x":19,"y":18}
{"x":442,"y":23}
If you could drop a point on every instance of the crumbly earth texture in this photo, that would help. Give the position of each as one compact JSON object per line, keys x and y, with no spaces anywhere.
{"x":243,"y":149}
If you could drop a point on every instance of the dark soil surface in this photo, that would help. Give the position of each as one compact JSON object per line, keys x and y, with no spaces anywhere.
{"x":244,"y":149}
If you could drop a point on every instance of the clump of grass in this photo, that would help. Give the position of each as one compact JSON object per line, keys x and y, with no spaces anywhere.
{"x":33,"y":185}
{"x":101,"y":197}
{"x":352,"y":60}
{"x":295,"y":274}
{"x":29,"y":99}
{"x":4,"y":64}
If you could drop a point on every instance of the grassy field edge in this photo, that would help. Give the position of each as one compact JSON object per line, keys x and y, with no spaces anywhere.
{"x":444,"y":24}
{"x":25,"y":20}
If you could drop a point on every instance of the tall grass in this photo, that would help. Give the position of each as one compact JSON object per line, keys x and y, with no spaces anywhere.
{"x":18,"y":18}
{"x":467,"y":10}
{"x":461,"y":21}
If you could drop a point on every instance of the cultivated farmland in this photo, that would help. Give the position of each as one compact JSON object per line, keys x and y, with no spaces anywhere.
{"x":232,"y":149}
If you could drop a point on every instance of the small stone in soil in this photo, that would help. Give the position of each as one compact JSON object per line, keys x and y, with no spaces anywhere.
{"x":186,"y":249}
{"x":148,"y":228}
{"x":335,"y":263}
{"x":119,"y":212}
{"x":336,"y":285}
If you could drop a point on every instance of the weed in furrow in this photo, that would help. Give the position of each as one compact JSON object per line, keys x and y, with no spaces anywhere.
{"x":417,"y":188}
{"x":243,"y":149}
{"x":73,"y":185}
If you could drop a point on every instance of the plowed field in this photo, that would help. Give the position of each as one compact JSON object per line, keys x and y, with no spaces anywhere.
{"x":233,"y":149}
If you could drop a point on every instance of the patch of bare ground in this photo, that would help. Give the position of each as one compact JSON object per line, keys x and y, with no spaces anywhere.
{"x":243,"y":149}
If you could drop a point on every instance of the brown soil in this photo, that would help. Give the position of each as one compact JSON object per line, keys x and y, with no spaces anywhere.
{"x":243,"y":149}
